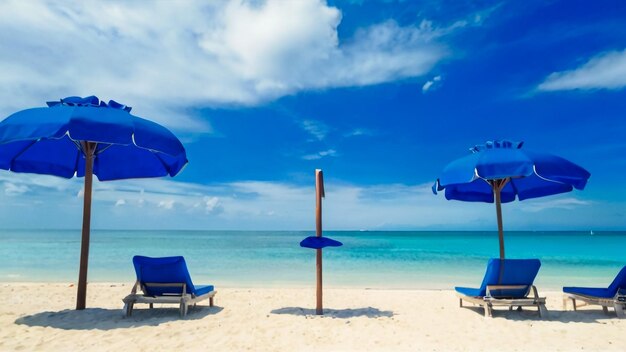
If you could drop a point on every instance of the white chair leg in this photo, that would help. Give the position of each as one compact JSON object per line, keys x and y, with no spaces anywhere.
{"x":488,"y":311}
{"x":543,"y":311}
{"x":128,"y":308}
{"x":181,"y":308}
{"x":619,"y":310}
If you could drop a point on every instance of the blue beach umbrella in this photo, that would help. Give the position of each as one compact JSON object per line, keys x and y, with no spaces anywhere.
{"x":500,"y":171}
{"x":83,"y":137}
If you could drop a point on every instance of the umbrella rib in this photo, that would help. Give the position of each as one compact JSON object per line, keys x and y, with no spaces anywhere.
{"x":545,"y":179}
{"x":22,"y":152}
{"x":152,"y":150}
{"x":167,"y":168}
{"x":77,"y":160}
{"x":515,"y":190}
{"x":77,"y":143}
{"x":103,"y":149}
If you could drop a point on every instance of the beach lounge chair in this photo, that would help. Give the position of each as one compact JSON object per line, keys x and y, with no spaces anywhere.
{"x":510,"y":287}
{"x":165,"y":280}
{"x":613,"y":296}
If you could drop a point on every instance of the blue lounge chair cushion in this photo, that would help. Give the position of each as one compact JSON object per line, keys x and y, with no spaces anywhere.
{"x":515,"y":272}
{"x":590,"y":291}
{"x":618,"y":283}
{"x":472,"y":292}
{"x":166,"y":270}
{"x":201,"y":290}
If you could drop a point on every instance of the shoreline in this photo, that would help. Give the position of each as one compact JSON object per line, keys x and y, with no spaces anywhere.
{"x":41,"y":316}
{"x":393,"y":286}
{"x":282,"y":285}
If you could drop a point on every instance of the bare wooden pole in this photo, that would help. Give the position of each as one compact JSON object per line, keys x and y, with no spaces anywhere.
{"x":319,"y":193}
{"x":81,"y":297}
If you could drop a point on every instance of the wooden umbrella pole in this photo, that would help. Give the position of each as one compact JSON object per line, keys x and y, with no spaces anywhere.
{"x":497,"y":186}
{"x":319,"y":193}
{"x":81,"y":297}
{"x":499,"y":215}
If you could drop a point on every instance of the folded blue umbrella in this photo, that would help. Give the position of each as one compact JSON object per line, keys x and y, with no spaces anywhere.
{"x":315,"y":242}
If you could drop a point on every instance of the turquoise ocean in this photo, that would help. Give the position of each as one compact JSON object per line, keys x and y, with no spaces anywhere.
{"x":368,"y":259}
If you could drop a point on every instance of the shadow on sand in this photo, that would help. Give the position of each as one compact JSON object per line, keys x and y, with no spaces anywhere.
{"x":368,"y":312}
{"x":563,"y":316}
{"x":110,"y":319}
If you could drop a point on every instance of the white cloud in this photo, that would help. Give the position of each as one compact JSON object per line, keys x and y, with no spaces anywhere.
{"x":537,"y":205}
{"x":166,"y":204}
{"x":319,"y":155}
{"x":120,"y":202}
{"x":604,"y":71}
{"x":262,"y":205}
{"x":317,"y":129}
{"x":359,"y":132}
{"x":162,"y":59}
{"x":211,"y":204}
{"x":429,"y":84}
{"x":11,"y":189}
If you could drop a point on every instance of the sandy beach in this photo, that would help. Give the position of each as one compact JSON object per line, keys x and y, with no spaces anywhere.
{"x":40,"y":316}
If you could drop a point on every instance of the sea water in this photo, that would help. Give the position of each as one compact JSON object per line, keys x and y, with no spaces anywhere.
{"x":376,"y":259}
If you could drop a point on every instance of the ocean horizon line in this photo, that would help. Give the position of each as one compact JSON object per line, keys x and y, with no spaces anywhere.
{"x":586,"y":230}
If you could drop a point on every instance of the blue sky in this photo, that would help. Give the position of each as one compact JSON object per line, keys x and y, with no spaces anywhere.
{"x":378,"y":94}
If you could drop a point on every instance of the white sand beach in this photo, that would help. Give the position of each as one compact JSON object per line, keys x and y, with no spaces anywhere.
{"x":40,"y":316}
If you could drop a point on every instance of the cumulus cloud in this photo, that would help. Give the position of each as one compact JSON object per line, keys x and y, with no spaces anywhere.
{"x":162,"y":59}
{"x":604,"y":71}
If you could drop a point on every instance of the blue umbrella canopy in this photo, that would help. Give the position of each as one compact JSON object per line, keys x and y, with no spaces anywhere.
{"x":501,"y":171}
{"x":47,"y":140}
{"x":84,"y":137}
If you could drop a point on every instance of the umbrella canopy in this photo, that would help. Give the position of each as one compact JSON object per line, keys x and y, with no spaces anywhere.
{"x":500,"y":172}
{"x":47,"y":140}
{"x":82,"y":137}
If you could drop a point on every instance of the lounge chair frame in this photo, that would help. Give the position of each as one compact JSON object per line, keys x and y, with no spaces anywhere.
{"x":618,"y":302}
{"x":488,"y":302}
{"x":184,"y":299}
